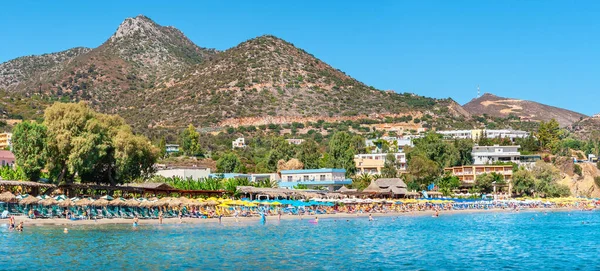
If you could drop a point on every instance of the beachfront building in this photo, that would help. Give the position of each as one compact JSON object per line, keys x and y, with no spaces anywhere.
{"x":372,"y":163}
{"x":330,"y":178}
{"x":7,"y":158}
{"x":478,"y":133}
{"x":184,"y":172}
{"x":5,"y":141}
{"x":394,"y":143}
{"x":483,"y":155}
{"x":295,"y":141}
{"x":171,"y":148}
{"x":387,"y":187}
{"x":468,"y":174}
{"x":238,"y":143}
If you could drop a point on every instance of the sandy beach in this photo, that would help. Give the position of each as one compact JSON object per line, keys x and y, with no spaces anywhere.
{"x":232,"y":220}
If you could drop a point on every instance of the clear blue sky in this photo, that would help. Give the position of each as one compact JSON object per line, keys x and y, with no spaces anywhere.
{"x":547,"y":51}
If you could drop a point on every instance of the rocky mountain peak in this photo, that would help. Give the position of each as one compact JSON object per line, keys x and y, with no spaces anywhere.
{"x":140,"y":26}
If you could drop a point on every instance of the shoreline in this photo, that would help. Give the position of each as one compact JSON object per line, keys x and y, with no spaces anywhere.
{"x":232,"y":220}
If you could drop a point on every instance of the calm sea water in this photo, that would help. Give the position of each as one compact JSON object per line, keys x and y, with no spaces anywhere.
{"x":507,"y":241}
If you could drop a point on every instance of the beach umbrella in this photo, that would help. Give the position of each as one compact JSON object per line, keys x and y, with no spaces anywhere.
{"x":29,"y":201}
{"x":175,"y":203}
{"x":65,"y":203}
{"x":48,"y":202}
{"x":211,"y":203}
{"x":275,"y":203}
{"x":83,"y":202}
{"x":8,"y":197}
{"x":60,"y":197}
{"x":116,"y":202}
{"x":102,"y":202}
{"x":222,"y":205}
{"x":132,"y":203}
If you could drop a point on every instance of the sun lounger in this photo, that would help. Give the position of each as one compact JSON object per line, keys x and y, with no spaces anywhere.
{"x":4,"y":214}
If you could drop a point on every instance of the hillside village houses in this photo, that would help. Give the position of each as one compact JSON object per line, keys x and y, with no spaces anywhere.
{"x":373,"y":163}
{"x":483,"y":155}
{"x":330,"y":178}
{"x":5,"y":141}
{"x":395,"y":143}
{"x":295,"y":141}
{"x":240,"y":142}
{"x":478,"y":133}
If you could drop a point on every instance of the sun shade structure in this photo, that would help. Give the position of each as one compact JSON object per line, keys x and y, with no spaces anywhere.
{"x":394,"y":187}
{"x":8,"y":197}
{"x":48,"y":202}
{"x":65,"y":203}
{"x":29,"y":200}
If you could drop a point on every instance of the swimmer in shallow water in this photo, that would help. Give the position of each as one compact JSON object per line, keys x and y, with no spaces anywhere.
{"x":135,"y":221}
{"x":370,"y":217}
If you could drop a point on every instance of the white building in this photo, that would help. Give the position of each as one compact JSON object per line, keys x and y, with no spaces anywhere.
{"x":393,"y":142}
{"x":331,"y":178}
{"x":484,"y":155}
{"x":295,"y":141}
{"x":190,"y":172}
{"x":238,"y":143}
{"x":373,"y":163}
{"x":478,"y":133}
{"x":171,"y":148}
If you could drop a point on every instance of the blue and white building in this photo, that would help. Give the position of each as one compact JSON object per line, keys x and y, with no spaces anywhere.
{"x":330,"y":178}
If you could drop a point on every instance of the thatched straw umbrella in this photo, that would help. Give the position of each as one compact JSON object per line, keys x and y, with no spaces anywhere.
{"x":8,"y":197}
{"x":132,"y":203}
{"x":116,"y":202}
{"x":48,"y":202}
{"x":102,"y":202}
{"x":175,"y":203}
{"x":83,"y":202}
{"x":29,"y":200}
{"x":65,"y":203}
{"x":148,"y":204}
{"x":211,"y":203}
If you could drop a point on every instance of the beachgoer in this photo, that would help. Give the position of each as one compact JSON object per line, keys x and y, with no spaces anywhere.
{"x":160,"y":217}
{"x":220,"y":217}
{"x":437,"y":213}
{"x":20,"y":227}
{"x":370,"y":217}
{"x":316,"y":219}
{"x":31,"y":214}
{"x":66,"y":230}
{"x":11,"y":223}
{"x":135,"y":221}
{"x":279,"y":216}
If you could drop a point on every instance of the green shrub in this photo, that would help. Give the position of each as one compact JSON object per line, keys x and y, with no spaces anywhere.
{"x":597,"y":181}
{"x":577,"y":169}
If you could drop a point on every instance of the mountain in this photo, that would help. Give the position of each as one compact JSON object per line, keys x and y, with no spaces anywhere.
{"x":496,"y":106}
{"x":587,"y":128}
{"x":155,"y":77}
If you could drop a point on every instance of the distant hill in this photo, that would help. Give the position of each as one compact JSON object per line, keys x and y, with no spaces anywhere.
{"x":155,"y":77}
{"x":493,"y":105}
{"x":587,"y":128}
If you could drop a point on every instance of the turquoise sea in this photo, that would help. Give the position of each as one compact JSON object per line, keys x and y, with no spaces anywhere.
{"x":491,"y":241}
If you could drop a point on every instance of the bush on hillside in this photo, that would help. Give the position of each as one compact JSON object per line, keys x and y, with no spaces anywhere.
{"x":577,"y":169}
{"x":597,"y":181}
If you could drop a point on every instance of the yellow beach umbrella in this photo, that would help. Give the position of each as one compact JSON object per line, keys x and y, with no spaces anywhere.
{"x":222,"y":205}
{"x":250,"y":204}
{"x":275,"y":203}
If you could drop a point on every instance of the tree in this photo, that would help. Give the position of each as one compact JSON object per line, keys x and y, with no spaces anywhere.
{"x":162,"y":147}
{"x":361,"y":181}
{"x":389,"y":167}
{"x":548,"y":134}
{"x":309,"y":154}
{"x":464,"y":148}
{"x":95,"y":147}
{"x":523,"y":182}
{"x":485,"y":182}
{"x":190,"y":141}
{"x":29,"y":147}
{"x":341,"y":152}
{"x":434,"y":148}
{"x":229,"y":162}
{"x":447,"y":183}
{"x":422,"y":171}
{"x":280,"y":150}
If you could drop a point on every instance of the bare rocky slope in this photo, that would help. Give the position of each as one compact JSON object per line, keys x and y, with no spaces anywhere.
{"x":496,"y":106}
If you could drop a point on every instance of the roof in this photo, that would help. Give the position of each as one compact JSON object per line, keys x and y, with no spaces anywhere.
{"x":162,"y":186}
{"x":25,"y":184}
{"x":344,"y":189}
{"x":7,"y":155}
{"x":387,"y":185}
{"x":319,"y":170}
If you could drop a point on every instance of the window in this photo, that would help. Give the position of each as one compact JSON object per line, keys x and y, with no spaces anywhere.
{"x":322,"y":178}
{"x":305,"y":177}
{"x":289,"y":178}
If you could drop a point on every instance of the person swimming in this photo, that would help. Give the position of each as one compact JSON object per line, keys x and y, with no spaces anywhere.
{"x":20,"y":227}
{"x":66,"y":230}
{"x":437,"y":213}
{"x":370,"y":217}
{"x":135,"y":221}
{"x":263,"y":218}
{"x":316,"y":219}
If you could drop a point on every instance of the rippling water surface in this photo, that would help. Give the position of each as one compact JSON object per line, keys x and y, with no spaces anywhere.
{"x":509,"y":241}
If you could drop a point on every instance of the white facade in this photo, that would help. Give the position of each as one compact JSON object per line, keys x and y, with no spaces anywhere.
{"x":475,"y":134}
{"x":194,"y":173}
{"x":238,"y":143}
{"x":483,"y":155}
{"x":171,"y":148}
{"x":331,"y":178}
{"x":401,"y":142}
{"x":295,"y":141}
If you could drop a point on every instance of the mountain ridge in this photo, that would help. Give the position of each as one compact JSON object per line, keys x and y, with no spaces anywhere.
{"x":526,"y":110}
